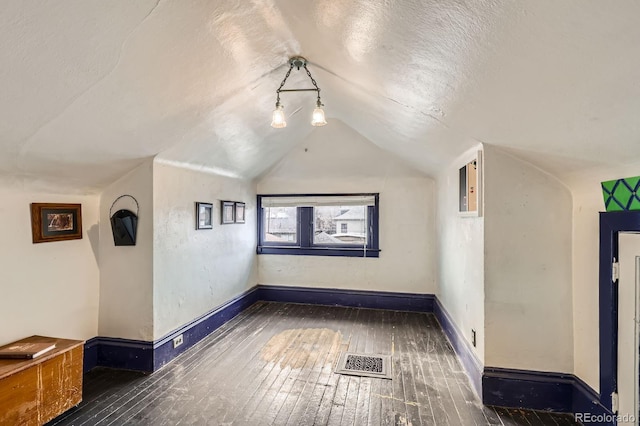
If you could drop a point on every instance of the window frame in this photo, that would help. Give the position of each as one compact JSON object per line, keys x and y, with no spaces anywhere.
{"x":305,"y":231}
{"x":295,"y":243}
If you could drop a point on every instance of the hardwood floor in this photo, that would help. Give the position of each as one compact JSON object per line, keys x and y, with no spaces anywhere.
{"x":273,"y":365}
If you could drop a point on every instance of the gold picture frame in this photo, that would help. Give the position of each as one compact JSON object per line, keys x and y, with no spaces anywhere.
{"x":55,"y":222}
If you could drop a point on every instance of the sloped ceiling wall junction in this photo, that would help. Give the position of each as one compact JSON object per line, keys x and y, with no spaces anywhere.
{"x":91,"y":88}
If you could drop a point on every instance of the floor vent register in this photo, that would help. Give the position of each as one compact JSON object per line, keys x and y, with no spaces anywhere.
{"x":365,"y":365}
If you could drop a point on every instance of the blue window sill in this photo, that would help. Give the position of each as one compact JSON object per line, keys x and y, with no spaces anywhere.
{"x":319,"y":251}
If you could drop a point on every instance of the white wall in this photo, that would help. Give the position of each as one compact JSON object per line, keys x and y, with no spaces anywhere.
{"x":587,"y":203}
{"x":126,"y":272}
{"x":407,"y":214}
{"x":50,"y":288}
{"x":528,"y":309}
{"x":461,"y":257}
{"x":198,"y":270}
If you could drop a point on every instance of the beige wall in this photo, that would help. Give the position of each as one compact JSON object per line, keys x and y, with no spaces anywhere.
{"x":195,"y":271}
{"x":126,"y":272}
{"x":336,"y":159}
{"x":461,"y":257}
{"x":50,"y":288}
{"x":528,"y":291}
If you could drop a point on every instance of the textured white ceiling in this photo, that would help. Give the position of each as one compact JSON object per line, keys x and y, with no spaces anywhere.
{"x":89,"y":88}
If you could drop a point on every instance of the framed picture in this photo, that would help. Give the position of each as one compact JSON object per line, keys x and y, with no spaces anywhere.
{"x":470,"y":182}
{"x":228,"y":211}
{"x":204,"y":215}
{"x":55,"y":222}
{"x":240,"y":212}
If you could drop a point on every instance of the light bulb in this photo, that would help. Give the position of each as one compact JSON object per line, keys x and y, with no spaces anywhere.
{"x":278,"y":120}
{"x":317,"y":119}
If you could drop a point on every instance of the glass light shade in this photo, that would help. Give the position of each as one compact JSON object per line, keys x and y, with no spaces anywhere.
{"x":278,"y":120}
{"x":317,"y":119}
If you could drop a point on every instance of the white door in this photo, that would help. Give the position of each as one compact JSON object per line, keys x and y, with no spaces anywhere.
{"x":628,"y":329}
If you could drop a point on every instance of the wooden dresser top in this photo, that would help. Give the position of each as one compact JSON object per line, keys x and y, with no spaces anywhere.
{"x":13,"y":366}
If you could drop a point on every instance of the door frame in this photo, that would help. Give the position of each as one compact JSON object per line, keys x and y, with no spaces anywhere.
{"x":611,"y":224}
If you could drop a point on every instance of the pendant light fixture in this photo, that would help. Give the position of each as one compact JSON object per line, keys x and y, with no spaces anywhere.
{"x":278,"y":119}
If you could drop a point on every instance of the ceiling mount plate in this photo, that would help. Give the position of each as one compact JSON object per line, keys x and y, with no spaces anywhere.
{"x":298,"y":61}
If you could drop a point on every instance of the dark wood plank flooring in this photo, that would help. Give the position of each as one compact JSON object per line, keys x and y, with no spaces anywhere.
{"x":273,"y":365}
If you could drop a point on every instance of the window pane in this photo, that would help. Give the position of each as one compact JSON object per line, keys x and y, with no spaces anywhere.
{"x":334,"y":225}
{"x":280,"y":224}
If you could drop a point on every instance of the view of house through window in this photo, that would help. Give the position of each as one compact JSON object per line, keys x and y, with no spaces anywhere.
{"x":280,"y":224}
{"x":340,"y":225}
{"x":318,"y":225}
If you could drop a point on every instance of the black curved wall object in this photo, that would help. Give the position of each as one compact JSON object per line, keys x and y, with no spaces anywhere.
{"x":124,"y":224}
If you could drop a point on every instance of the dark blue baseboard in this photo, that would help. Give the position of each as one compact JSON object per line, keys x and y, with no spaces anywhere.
{"x":125,"y":353}
{"x":150,"y":356}
{"x":201,"y":327}
{"x":535,"y":390}
{"x":586,"y":400}
{"x":539,"y":390}
{"x":354,"y":298}
{"x":90,"y":354}
{"x":470,"y":362}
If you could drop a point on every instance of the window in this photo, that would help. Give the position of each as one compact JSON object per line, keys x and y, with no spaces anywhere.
{"x":332,"y":223}
{"x":280,"y":225}
{"x":319,"y":225}
{"x":470,"y":201}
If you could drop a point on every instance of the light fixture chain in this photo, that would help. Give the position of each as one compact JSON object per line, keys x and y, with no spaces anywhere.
{"x":313,"y":81}
{"x":282,"y":84}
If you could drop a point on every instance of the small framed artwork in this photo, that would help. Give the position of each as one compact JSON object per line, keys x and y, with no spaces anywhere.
{"x":470,"y":200}
{"x":228,"y":211}
{"x":204,"y":216}
{"x":55,"y":222}
{"x":240,"y":207}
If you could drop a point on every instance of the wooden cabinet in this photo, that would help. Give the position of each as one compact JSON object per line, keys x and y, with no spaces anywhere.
{"x":34,"y":391}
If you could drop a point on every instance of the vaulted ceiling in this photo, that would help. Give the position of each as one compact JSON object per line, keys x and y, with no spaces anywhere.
{"x":90,"y":88}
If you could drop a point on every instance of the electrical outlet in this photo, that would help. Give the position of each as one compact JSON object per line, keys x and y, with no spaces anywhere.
{"x":178,"y":341}
{"x":473,"y":337}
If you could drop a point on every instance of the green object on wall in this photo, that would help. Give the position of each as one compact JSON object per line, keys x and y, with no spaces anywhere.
{"x":621,"y":194}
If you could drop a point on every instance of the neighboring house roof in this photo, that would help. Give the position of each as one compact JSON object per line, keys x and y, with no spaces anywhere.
{"x":353,"y":214}
{"x":352,"y":238}
{"x":325,"y":238}
{"x":274,"y":238}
